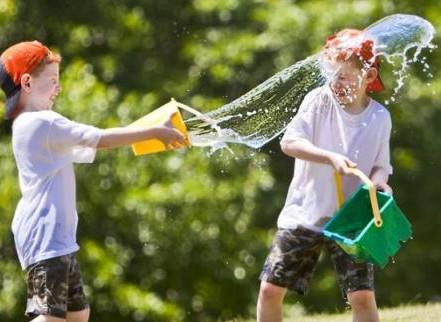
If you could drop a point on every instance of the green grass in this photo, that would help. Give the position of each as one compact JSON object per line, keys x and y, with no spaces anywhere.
{"x":419,"y":313}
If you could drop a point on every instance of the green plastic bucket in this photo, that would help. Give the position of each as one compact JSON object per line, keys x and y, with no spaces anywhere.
{"x":369,"y":225}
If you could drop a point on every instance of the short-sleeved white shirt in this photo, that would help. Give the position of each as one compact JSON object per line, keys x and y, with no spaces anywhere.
{"x":45,"y":146}
{"x":363,"y":138}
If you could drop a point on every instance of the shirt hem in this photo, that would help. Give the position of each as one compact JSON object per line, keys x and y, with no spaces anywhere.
{"x":296,"y":225}
{"x":49,"y":255}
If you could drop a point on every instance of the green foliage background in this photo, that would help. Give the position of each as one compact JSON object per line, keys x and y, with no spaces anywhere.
{"x":182,"y":236}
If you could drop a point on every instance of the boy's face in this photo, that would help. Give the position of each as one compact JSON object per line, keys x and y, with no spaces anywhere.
{"x":350,"y":81}
{"x":44,"y":87}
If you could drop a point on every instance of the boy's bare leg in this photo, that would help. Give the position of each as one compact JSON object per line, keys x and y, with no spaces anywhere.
{"x":78,"y":316}
{"x":363,"y":306}
{"x":269,"y":304}
{"x":47,"y":318}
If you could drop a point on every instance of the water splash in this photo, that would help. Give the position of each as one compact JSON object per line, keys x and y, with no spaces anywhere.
{"x":264,"y":112}
{"x":395,"y":36}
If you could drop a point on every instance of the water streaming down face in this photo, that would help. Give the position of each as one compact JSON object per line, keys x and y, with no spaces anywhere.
{"x":264,"y":112}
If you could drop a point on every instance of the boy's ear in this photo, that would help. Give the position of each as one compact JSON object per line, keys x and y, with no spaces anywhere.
{"x":25,"y":82}
{"x":371,"y":75}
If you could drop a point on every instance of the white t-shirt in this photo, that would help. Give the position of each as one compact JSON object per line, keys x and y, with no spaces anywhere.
{"x":363,"y":138}
{"x":45,"y":146}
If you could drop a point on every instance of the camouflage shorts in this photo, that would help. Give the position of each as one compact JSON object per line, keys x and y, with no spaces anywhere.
{"x":55,"y":286}
{"x":294,"y":255}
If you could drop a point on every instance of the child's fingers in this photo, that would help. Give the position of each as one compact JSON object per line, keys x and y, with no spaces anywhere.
{"x":341,"y":168}
{"x":177,"y":140}
{"x":379,"y":187}
{"x":384,"y":187}
{"x":173,"y":145}
{"x":180,"y":138}
{"x":176,"y":144}
{"x":345,"y":171}
{"x":169,"y":119}
{"x":350,"y":163}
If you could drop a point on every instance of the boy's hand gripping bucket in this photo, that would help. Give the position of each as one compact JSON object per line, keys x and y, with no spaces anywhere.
{"x":369,"y":225}
{"x":158,"y":117}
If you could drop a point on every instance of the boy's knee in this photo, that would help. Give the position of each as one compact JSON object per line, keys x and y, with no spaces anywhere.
{"x":271,"y":292}
{"x":364,"y":299}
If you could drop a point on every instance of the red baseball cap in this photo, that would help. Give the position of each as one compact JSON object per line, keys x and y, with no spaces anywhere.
{"x":348,"y":42}
{"x":15,"y":61}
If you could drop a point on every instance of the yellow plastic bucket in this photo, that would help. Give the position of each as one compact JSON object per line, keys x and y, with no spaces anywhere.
{"x":158,"y":117}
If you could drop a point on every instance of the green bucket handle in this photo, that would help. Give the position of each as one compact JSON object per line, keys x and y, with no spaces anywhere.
{"x":372,"y":193}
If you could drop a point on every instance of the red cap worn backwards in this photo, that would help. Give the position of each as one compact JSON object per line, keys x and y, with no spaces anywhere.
{"x":348,"y":42}
{"x":16,"y":61}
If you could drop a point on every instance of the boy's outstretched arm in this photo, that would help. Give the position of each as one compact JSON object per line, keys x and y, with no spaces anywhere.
{"x":115,"y":137}
{"x":305,"y":150}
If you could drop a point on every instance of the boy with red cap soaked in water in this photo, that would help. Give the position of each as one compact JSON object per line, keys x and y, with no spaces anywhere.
{"x":45,"y":146}
{"x":338,"y":127}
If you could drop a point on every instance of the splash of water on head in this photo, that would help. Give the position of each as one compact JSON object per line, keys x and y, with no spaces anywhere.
{"x":395,"y":36}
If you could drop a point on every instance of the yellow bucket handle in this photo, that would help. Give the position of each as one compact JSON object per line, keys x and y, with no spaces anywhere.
{"x":372,"y":193}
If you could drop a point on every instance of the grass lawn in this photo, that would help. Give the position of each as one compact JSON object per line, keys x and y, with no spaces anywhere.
{"x":418,"y":313}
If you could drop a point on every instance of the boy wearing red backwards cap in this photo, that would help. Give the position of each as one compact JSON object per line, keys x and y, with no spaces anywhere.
{"x":338,"y":127}
{"x":45,"y":146}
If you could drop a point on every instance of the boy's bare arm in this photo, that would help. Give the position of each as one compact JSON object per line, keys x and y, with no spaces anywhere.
{"x":115,"y":137}
{"x":305,"y":150}
{"x":119,"y":136}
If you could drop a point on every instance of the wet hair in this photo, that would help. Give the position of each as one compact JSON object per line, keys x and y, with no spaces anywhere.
{"x":361,"y":55}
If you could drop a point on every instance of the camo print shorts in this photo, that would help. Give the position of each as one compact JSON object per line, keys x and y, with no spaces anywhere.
{"x":294,"y":255}
{"x":55,"y":286}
